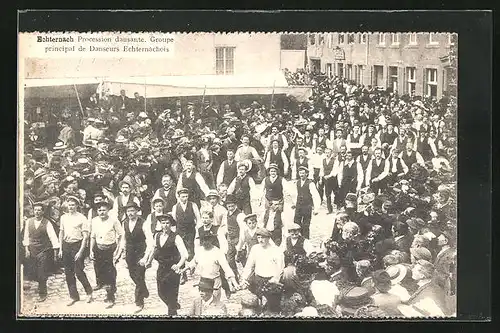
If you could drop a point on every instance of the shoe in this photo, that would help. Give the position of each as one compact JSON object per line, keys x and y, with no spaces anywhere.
{"x":42,"y":298}
{"x":72,"y":302}
{"x":138,"y":308}
{"x":99,"y":286}
{"x":111,"y":304}
{"x":90,"y":298}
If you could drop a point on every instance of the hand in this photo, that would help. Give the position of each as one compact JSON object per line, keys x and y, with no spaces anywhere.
{"x":244,"y":284}
{"x":60,"y":254}
{"x":176,"y":268}
{"x":143,"y":262}
{"x":78,"y":255}
{"x":233,"y":285}
{"x":91,"y":255}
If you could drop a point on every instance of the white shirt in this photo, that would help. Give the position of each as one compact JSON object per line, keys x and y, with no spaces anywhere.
{"x":106,"y":232}
{"x":314,"y":193}
{"x":324,"y":292}
{"x":209,"y":262}
{"x":264,"y":262}
{"x":359,"y":169}
{"x":73,"y":226}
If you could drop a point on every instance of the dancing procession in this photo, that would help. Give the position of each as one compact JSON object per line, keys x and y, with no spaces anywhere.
{"x":341,"y":204}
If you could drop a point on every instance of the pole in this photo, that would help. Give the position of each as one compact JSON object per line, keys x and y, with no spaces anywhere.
{"x":272,"y":95}
{"x":202,"y":108}
{"x":79,"y":102}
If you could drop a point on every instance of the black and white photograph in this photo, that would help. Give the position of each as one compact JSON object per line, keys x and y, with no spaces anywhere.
{"x":238,"y":175}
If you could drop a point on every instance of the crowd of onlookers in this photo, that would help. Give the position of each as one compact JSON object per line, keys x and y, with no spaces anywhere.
{"x":392,"y":249}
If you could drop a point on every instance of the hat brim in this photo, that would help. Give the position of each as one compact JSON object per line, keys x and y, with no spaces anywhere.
{"x":403,"y":271}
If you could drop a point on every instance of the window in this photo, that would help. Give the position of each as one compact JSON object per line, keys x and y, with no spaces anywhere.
{"x":378,"y":76}
{"x":433,"y":38}
{"x":359,"y":74}
{"x":413,"y":38}
{"x":312,"y":39}
{"x":362,"y":38}
{"x":321,"y":39}
{"x":340,"y":69}
{"x":341,"y":39}
{"x":381,"y":38}
{"x":451,"y":39}
{"x":350,"y":38}
{"x":411,"y":79}
{"x":224,"y":60}
{"x":431,"y":82}
{"x":329,"y":41}
{"x":348,"y":74}
{"x":393,"y":78}
{"x":395,"y":38}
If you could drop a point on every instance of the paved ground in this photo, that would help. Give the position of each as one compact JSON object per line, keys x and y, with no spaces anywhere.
{"x":58,"y":297}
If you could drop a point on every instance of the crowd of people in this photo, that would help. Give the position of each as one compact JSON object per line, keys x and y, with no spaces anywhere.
{"x":122,"y":179}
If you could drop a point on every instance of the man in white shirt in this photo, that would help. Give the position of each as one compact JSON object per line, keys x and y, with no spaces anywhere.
{"x":194,"y":182}
{"x":307,"y":198}
{"x":73,"y":237}
{"x":243,"y":186}
{"x":220,"y":213}
{"x":265,"y":262}
{"x":376,"y":172}
{"x":328,"y":174}
{"x":124,"y":199}
{"x":276,"y":156}
{"x":41,"y":244}
{"x":316,"y":164}
{"x":105,"y":250}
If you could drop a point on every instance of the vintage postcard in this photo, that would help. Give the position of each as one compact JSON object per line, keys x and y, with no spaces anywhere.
{"x":237,"y":174}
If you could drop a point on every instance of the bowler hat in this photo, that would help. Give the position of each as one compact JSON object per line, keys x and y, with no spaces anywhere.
{"x":131,"y":205}
{"x":231,"y":199}
{"x":306,"y":169}
{"x":166,"y":217}
{"x":103,"y":203}
{"x":206,"y":284}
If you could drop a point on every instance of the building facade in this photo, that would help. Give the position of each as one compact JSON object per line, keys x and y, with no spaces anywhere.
{"x":407,"y":63}
{"x":194,"y":54}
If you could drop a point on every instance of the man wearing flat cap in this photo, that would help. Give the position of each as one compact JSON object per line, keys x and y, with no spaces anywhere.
{"x":138,"y":237}
{"x":296,"y":244}
{"x":206,"y":304}
{"x":124,"y":198}
{"x":73,"y":237}
{"x":302,"y":161}
{"x":243,"y":186}
{"x":276,"y":156}
{"x":105,"y":248}
{"x":275,"y":186}
{"x":187,"y":216}
{"x":265,"y":263}
{"x":307,"y":200}
{"x":41,"y":244}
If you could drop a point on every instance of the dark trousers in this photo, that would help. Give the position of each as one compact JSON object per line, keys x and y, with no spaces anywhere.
{"x":303,"y":218}
{"x":40,"y":264}
{"x":245,"y":206}
{"x":231,"y":256}
{"x":168,"y":287}
{"x":188,"y":239}
{"x":337,"y":192}
{"x":376,"y":186}
{"x":277,"y":236}
{"x":72,"y":268}
{"x":138,"y":275}
{"x":329,"y":185}
{"x":316,"y":179}
{"x":105,"y":269}
{"x":346,"y":187}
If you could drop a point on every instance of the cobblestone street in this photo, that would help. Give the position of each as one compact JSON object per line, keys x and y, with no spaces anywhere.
{"x":58,"y":297}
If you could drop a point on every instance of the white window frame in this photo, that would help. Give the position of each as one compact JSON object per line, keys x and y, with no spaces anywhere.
{"x":353,"y":38}
{"x":363,"y":38}
{"x":329,"y":41}
{"x":428,"y":82}
{"x":432,"y":36}
{"x":381,"y":38}
{"x":224,"y":60}
{"x":411,"y":80}
{"x":395,"y":38}
{"x":413,"y":38}
{"x":329,"y":69}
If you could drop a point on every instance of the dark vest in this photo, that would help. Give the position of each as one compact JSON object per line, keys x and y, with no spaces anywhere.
{"x":364,"y":163}
{"x":122,"y":205}
{"x":368,"y":139}
{"x":170,"y":199}
{"x":230,"y":172}
{"x":135,"y":239}
{"x":304,"y":196}
{"x":185,"y":219}
{"x":276,"y":158}
{"x":349,"y":173}
{"x":273,"y":190}
{"x":278,"y":137}
{"x":192,"y":186}
{"x":297,"y":249}
{"x":409,"y":160}
{"x":388,"y":137}
{"x":167,"y":255}
{"x":321,"y":142}
{"x":399,"y":166}
{"x":212,"y":231}
{"x":328,"y":167}
{"x":39,"y":238}
{"x":377,"y":170}
{"x":233,"y":228}
{"x":93,"y":213}
{"x":355,"y":138}
{"x":424,"y":148}
{"x":308,"y":143}
{"x":242,"y":189}
{"x":154,"y":222}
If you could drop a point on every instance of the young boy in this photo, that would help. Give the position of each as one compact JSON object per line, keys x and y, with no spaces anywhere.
{"x":248,"y":238}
